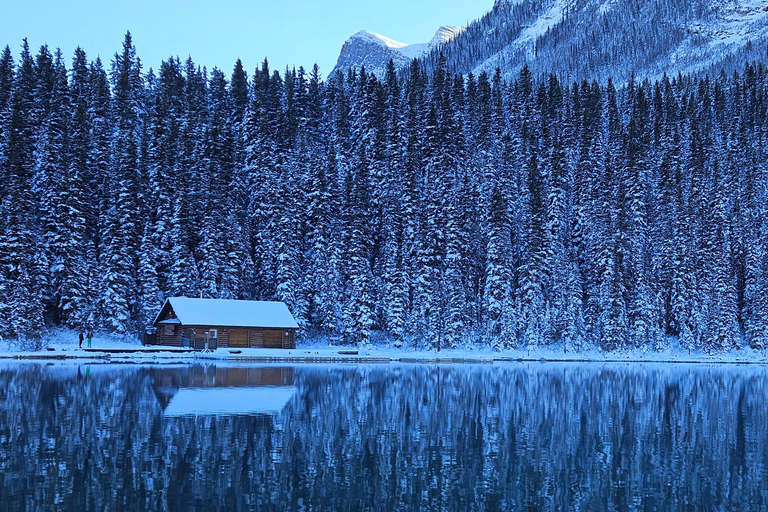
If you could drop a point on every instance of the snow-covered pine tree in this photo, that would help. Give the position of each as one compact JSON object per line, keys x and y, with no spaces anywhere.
{"x":23,"y":308}
{"x":413,"y":134}
{"x":7,"y":76}
{"x":225,"y":207}
{"x":50,"y":125}
{"x":633,"y":201}
{"x":497,"y":292}
{"x":756,"y":302}
{"x":612,"y":320}
{"x":73,"y":290}
{"x":722,"y":330}
{"x":264,"y":159}
{"x":530,"y":300}
{"x":98,"y":186}
{"x":123,"y":216}
{"x":460,"y":312}
{"x":589,"y":222}
{"x":359,"y":213}
{"x":391,"y":280}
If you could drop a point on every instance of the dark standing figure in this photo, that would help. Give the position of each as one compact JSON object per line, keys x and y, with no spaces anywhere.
{"x":81,"y":339}
{"x":90,"y":337}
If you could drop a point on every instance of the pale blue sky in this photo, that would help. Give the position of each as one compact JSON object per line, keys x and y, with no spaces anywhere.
{"x":216,"y":33}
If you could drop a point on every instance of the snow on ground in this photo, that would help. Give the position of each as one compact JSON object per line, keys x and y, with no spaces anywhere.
{"x":63,"y":344}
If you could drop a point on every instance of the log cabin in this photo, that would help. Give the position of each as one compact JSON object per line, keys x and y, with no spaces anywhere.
{"x":215,"y":323}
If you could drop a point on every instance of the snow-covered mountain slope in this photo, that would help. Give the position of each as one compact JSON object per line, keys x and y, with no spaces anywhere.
{"x":597,"y":39}
{"x":374,"y":51}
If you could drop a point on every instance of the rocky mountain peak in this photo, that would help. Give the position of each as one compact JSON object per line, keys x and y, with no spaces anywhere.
{"x":374,"y":51}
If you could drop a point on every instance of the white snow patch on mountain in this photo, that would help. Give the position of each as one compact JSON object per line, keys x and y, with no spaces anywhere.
{"x":733,"y":24}
{"x":445,"y":34}
{"x":546,"y":21}
{"x":506,"y":3}
{"x":378,"y":38}
{"x":414,"y":51}
{"x":526,"y":40}
{"x":607,"y":6}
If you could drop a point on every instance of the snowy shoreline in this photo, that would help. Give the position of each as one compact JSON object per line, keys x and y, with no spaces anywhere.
{"x":63,"y":344}
{"x":326,"y":357}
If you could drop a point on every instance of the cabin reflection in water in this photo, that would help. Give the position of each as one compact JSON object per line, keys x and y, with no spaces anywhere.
{"x":223,"y":391}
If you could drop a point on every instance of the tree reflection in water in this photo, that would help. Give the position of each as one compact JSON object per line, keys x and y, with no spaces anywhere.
{"x":393,"y":437}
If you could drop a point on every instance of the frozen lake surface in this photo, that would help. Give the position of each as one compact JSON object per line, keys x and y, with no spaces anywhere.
{"x":531,"y":436}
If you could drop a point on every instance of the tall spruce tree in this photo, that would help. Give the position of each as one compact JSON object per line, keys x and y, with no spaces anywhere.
{"x":22,"y":311}
{"x":123,"y":234}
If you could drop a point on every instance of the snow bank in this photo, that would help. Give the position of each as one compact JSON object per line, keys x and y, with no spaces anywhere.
{"x":63,"y":344}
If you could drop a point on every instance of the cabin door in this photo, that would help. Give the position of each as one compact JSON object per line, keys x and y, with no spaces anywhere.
{"x":238,"y":338}
{"x":273,"y":339}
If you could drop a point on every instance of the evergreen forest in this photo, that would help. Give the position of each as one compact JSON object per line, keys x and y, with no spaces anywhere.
{"x":426,"y":209}
{"x":601,"y":39}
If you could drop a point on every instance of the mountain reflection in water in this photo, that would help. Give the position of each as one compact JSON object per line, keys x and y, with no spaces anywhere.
{"x":391,"y":437}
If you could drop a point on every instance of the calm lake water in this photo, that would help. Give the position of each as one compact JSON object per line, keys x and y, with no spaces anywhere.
{"x":391,"y":437}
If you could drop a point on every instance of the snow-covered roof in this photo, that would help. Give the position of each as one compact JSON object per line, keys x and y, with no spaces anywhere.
{"x":228,"y":401}
{"x":229,"y":313}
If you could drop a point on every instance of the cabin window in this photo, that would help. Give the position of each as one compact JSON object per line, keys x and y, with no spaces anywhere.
{"x":169,"y":330}
{"x":212,"y":333}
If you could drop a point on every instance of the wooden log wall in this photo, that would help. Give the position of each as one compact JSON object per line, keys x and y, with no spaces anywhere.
{"x":256,"y":338}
